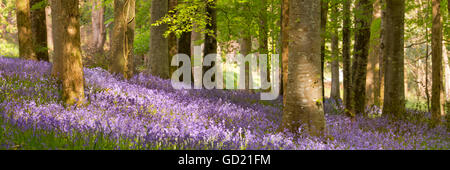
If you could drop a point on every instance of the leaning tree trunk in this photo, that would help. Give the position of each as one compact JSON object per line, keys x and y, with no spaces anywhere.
{"x":335,"y":87}
{"x":66,"y":32}
{"x":284,"y":43}
{"x":436,"y":45}
{"x":304,"y":101}
{"x":98,"y":26}
{"x":159,"y":50}
{"x":363,"y":19}
{"x":123,"y":36}
{"x":394,"y":93}
{"x":373,"y":65}
{"x":26,"y":50}
{"x":39,"y":29}
{"x":346,"y":60}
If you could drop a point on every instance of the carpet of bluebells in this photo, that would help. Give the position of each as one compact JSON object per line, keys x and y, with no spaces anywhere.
{"x":145,"y":112}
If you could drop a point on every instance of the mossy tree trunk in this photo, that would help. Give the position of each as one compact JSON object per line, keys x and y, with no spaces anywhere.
{"x":363,"y":20}
{"x":346,"y":60}
{"x":373,"y":65}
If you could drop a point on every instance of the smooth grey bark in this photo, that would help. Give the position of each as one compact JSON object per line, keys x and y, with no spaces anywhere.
{"x":304,"y":101}
{"x":158,"y":57}
{"x":394,"y":93}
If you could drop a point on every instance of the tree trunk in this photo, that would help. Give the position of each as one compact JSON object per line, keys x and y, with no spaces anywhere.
{"x":263,"y":39}
{"x":381,"y":52}
{"x":246,"y":48}
{"x":373,"y":65}
{"x":123,"y":36}
{"x":323,"y":29}
{"x":436,"y":45}
{"x":447,"y":72}
{"x":39,"y":29}
{"x":48,"y":13}
{"x":335,"y":87}
{"x":284,"y":44}
{"x":394,"y":93}
{"x":66,"y":32}
{"x":304,"y":101}
{"x":346,"y":60}
{"x":172,"y":40}
{"x":211,"y":40}
{"x":98,"y":26}
{"x":26,"y":50}
{"x":158,"y":56}
{"x":363,"y":19}
{"x":184,"y":47}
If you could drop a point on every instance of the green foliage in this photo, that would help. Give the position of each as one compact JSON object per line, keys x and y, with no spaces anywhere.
{"x":186,"y":15}
{"x":39,"y":5}
{"x":8,"y":49}
{"x":141,"y":41}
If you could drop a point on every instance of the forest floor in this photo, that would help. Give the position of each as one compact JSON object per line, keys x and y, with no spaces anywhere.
{"x":145,"y":112}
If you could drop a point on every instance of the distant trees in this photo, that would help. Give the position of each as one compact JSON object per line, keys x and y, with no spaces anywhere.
{"x":68,"y":65}
{"x":158,"y":57}
{"x":98,"y":26}
{"x":123,"y":37}
{"x":393,"y":54}
{"x":303,"y":102}
{"x":335,"y":87}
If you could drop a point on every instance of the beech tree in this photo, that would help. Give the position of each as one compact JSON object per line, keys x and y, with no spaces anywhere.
{"x":363,"y":19}
{"x":284,"y":44}
{"x":335,"y":86}
{"x":39,"y":29}
{"x":172,"y":38}
{"x":436,"y":45}
{"x":346,"y":60}
{"x":373,"y":65}
{"x":393,"y":54}
{"x":210,"y":38}
{"x":26,"y":46}
{"x":98,"y":27}
{"x":158,"y":57}
{"x":123,"y":37}
{"x":323,"y":29}
{"x":303,"y":102}
{"x":68,"y":64}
